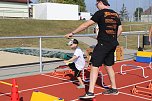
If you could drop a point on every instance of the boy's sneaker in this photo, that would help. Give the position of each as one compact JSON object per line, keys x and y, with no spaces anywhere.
{"x":81,"y":86}
{"x":111,"y":91}
{"x":88,"y":95}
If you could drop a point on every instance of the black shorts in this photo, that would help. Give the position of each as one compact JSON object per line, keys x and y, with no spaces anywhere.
{"x":76,"y":71}
{"x":103,"y":53}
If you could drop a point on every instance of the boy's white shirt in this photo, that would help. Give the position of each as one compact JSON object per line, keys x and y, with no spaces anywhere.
{"x":80,"y":61}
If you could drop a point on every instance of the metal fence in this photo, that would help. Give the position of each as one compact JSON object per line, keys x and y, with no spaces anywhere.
{"x":125,"y":34}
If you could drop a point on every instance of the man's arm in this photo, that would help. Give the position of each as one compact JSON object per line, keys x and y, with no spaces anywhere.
{"x":82,"y":27}
{"x":119,"y":30}
{"x":150,"y":34}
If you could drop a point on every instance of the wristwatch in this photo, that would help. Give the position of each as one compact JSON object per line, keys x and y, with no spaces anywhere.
{"x":73,"y":33}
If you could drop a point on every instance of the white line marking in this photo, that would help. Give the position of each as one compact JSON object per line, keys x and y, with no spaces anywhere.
{"x":75,"y":80}
{"x":135,"y":96}
{"x":39,"y":87}
{"x":54,"y":77}
{"x":134,"y":84}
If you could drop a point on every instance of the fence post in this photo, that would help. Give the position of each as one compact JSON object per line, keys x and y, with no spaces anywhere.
{"x":126,"y":41}
{"x":3,"y":14}
{"x":138,"y":40}
{"x":40,"y":53}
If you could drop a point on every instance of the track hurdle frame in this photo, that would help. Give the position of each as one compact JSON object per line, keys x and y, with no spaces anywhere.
{"x":147,"y":93}
{"x":62,"y":73}
{"x":130,"y":65}
{"x":142,"y":68}
{"x":87,"y":80}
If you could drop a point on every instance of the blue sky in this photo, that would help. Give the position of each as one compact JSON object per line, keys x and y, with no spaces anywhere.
{"x":131,"y":5}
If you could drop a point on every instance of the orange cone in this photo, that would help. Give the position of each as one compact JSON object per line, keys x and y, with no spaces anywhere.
{"x":14,"y":93}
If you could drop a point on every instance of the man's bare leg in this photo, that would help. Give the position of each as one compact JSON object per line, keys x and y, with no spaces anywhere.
{"x":93,"y":78}
{"x":111,"y":74}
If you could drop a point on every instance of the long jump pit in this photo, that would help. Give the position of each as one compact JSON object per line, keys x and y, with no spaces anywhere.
{"x":7,"y":58}
{"x":14,"y":64}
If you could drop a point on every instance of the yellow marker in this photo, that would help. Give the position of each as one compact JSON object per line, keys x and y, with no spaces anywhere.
{"x":6,"y":83}
{"x":39,"y":96}
{"x":144,"y":54}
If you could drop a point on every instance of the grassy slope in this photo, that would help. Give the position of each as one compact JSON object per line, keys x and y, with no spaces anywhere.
{"x":29,"y":27}
{"x":25,"y":27}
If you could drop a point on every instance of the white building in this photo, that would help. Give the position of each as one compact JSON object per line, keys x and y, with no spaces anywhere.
{"x":147,"y":15}
{"x":14,"y":8}
{"x":55,"y":11}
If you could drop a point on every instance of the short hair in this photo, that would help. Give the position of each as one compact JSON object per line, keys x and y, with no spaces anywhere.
{"x":105,"y":2}
{"x":73,"y":41}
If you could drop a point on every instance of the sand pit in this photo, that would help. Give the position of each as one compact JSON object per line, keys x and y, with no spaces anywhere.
{"x":7,"y":59}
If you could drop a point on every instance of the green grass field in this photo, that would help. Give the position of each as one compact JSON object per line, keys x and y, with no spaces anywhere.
{"x":29,"y":27}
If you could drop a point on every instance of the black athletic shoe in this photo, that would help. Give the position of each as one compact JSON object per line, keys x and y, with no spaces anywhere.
{"x":88,"y":95}
{"x":111,"y":91}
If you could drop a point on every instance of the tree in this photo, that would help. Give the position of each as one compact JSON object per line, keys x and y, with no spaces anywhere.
{"x":81,"y":3}
{"x":137,"y":13}
{"x":124,"y":13}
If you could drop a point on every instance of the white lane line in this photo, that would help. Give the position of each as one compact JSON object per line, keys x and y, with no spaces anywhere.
{"x":54,"y":77}
{"x":135,"y":96}
{"x":135,"y":84}
{"x":71,"y":81}
{"x":39,"y":87}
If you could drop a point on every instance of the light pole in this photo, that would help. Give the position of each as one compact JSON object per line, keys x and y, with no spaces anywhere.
{"x":116,"y":6}
{"x":138,"y":9}
{"x":28,"y":8}
{"x":149,"y":15}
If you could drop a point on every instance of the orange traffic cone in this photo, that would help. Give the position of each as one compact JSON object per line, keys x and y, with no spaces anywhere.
{"x":14,"y":93}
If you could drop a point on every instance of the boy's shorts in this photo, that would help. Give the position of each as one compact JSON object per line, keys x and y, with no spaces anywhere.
{"x":103,"y":53}
{"x":76,"y":71}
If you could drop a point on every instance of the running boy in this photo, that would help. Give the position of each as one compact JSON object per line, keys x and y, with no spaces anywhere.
{"x":77,"y":62}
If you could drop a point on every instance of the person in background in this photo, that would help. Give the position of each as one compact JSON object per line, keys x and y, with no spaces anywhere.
{"x":77,"y":62}
{"x":110,"y":29}
{"x":150,"y":36}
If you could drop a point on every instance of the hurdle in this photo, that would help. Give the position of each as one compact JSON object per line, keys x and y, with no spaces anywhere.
{"x":102,"y":80}
{"x":142,"y":68}
{"x":62,"y":73}
{"x":130,"y":65}
{"x":147,"y":93}
{"x":65,"y":70}
{"x":150,"y":64}
{"x":150,"y":85}
{"x":87,"y":80}
{"x":141,"y":92}
{"x":83,"y":74}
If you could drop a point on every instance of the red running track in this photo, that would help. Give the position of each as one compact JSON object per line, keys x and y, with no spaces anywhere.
{"x":64,"y":88}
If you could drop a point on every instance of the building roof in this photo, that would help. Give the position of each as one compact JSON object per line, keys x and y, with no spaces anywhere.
{"x":148,"y":11}
{"x":17,"y":1}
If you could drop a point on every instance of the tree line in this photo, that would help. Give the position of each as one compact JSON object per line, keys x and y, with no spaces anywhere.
{"x":124,"y":15}
{"x":81,"y":3}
